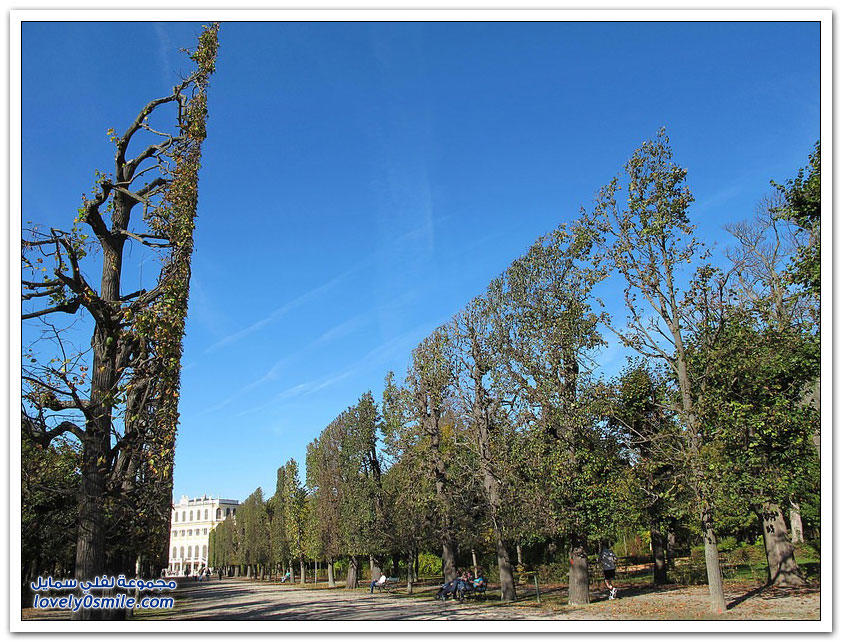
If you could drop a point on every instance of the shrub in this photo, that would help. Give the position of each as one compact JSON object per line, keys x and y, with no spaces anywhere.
{"x":728,"y":543}
{"x":429,"y":565}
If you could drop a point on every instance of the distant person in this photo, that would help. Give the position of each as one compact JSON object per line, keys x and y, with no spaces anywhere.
{"x":380,"y":582}
{"x":609,"y":569}
{"x":219,"y":572}
{"x":286,"y":577}
{"x":479,"y":581}
{"x":448,"y":588}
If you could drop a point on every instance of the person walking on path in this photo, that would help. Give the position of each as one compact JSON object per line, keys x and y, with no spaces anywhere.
{"x":609,"y":569}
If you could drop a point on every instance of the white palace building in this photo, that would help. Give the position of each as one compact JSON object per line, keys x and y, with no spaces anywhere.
{"x":190,"y":527}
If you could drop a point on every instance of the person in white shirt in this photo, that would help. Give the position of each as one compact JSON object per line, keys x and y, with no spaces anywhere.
{"x":379,"y":582}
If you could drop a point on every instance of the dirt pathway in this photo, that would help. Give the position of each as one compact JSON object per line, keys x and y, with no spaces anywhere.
{"x":247,"y":600}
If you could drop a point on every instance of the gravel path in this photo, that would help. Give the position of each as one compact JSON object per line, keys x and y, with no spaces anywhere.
{"x":245,"y":600}
{"x":239,"y":599}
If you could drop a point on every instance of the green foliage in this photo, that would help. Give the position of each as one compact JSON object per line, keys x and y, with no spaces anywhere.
{"x":224,"y":544}
{"x":49,"y":477}
{"x":803,"y":206}
{"x":429,"y":565}
{"x":295,"y":518}
{"x":501,"y":435}
{"x":253,"y":530}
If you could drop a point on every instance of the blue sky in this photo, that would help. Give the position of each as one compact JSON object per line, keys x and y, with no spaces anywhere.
{"x":362,"y":181}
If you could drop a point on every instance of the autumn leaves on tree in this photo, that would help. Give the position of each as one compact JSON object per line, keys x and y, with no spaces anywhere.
{"x":119,"y":399}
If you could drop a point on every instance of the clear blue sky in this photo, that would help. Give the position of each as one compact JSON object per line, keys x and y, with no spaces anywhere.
{"x":361,"y":182}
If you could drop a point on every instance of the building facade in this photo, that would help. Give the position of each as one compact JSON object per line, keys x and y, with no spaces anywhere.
{"x":190,"y":526}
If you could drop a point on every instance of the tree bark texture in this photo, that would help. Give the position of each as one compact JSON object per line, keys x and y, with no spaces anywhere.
{"x":717,"y":595}
{"x":795,"y":523}
{"x":353,"y":573}
{"x":780,"y":555}
{"x":658,"y":555}
{"x":410,"y":572}
{"x":578,"y":592}
{"x":448,"y":558}
{"x":331,"y":581}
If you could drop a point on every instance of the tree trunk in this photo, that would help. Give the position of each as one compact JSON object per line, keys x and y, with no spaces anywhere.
{"x":783,"y":571}
{"x":491,"y":485}
{"x":410,"y":575}
{"x":659,"y":558}
{"x":448,"y":558}
{"x":303,"y":574}
{"x":795,"y":523}
{"x":376,"y":567}
{"x":507,"y":578}
{"x":578,"y":591}
{"x":519,"y":555}
{"x":331,"y":581}
{"x":90,"y":541}
{"x":717,"y":595}
{"x":353,"y":573}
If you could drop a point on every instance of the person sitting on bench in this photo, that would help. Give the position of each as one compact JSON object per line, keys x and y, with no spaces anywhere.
{"x":479,"y":582}
{"x":380,"y":583}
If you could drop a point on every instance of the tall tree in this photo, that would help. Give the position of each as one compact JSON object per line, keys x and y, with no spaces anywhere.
{"x":430,"y":378}
{"x":649,"y":240}
{"x":546,"y":329}
{"x":279,"y":551}
{"x":407,"y":486}
{"x":254,"y":526}
{"x":294,"y":515}
{"x":474,"y":336}
{"x":324,"y":486}
{"x":136,"y":336}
